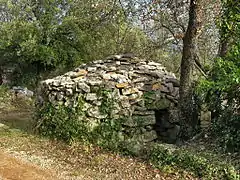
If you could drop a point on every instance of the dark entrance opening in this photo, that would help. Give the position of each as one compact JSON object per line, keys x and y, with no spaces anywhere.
{"x":163,"y":127}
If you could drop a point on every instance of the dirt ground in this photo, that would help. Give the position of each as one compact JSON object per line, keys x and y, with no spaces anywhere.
{"x":12,"y":168}
{"x":26,"y":156}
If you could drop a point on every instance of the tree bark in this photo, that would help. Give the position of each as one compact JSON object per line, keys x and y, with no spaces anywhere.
{"x":187,"y":64}
{"x":223,"y":48}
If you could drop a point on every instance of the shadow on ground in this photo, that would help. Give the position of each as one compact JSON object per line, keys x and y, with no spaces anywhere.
{"x":21,"y":119}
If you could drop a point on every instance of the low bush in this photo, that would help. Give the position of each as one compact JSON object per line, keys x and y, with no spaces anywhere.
{"x":167,"y":158}
{"x":70,"y":124}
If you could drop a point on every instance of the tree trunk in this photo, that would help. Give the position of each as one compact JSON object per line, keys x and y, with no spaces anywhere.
{"x":187,"y":64}
{"x":223,"y":48}
{"x":1,"y":75}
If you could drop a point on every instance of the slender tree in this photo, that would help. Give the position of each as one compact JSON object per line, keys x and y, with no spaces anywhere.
{"x":189,"y":54}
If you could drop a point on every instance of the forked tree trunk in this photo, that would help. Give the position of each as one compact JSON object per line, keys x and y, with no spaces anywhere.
{"x":187,"y":64}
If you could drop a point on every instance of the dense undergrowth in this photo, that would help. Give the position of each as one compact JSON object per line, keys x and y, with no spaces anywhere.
{"x":202,"y":165}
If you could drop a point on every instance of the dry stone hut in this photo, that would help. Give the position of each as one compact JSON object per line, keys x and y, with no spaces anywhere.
{"x":140,"y":92}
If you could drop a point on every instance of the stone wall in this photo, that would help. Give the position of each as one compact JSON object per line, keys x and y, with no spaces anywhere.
{"x":141,"y":92}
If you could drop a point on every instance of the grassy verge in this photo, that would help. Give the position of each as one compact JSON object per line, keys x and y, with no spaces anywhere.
{"x":204,"y":165}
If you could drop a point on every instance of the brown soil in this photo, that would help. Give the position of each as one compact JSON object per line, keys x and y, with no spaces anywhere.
{"x":24,"y":156}
{"x":12,"y":168}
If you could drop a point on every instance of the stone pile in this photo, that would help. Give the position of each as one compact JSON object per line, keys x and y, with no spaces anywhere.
{"x":141,"y":91}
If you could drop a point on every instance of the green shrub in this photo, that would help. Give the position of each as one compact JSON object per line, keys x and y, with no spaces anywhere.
{"x":69,"y":124}
{"x":226,"y":128}
{"x":60,"y":122}
{"x":169,"y":158}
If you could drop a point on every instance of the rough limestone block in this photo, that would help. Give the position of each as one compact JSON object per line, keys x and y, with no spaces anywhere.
{"x":140,"y":121}
{"x":156,"y":86}
{"x":91,"y":96}
{"x":69,"y":92}
{"x":170,"y":87}
{"x":94,"y":112}
{"x":174,"y":81}
{"x":94,"y":82}
{"x":60,"y":96}
{"x":84,"y":87}
{"x":175,"y":92}
{"x":144,"y":113}
{"x":148,"y":136}
{"x":122,"y":85}
{"x":106,"y":76}
{"x":92,"y":69}
{"x":130,"y":91}
{"x":81,"y":72}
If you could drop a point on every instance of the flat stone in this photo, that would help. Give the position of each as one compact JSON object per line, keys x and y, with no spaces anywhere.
{"x":129,"y":91}
{"x":175,"y":91}
{"x":143,"y":113}
{"x":164,"y":89}
{"x":155,"y":74}
{"x":143,"y":67}
{"x":56,"y":83}
{"x":52,"y":97}
{"x":139,"y":85}
{"x":146,"y":88}
{"x":81,"y":72}
{"x":139,"y":108}
{"x":148,"y":136}
{"x":94,"y":82}
{"x":92,"y":69}
{"x":106,"y":76}
{"x":119,"y":78}
{"x":60,"y":96}
{"x":174,"y":81}
{"x":91,"y":97}
{"x":110,"y":85}
{"x":140,"y":79}
{"x":111,"y":68}
{"x":140,"y":121}
{"x":151,"y":63}
{"x":46,"y":82}
{"x":69,"y":92}
{"x":97,"y":103}
{"x":132,"y":97}
{"x":156,"y":86}
{"x":86,"y":106}
{"x":141,"y":63}
{"x":80,"y":78}
{"x":84,"y":87}
{"x":101,"y":66}
{"x":170,"y":87}
{"x":122,"y":85}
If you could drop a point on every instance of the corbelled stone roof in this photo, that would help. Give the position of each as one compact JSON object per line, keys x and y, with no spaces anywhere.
{"x":142,"y":90}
